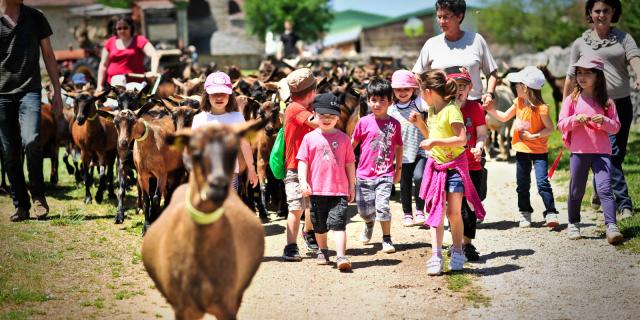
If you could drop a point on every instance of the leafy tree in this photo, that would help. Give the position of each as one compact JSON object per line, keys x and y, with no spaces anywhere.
{"x":540,"y":23}
{"x":630,"y":20}
{"x":310,"y":17}
{"x":116,"y":3}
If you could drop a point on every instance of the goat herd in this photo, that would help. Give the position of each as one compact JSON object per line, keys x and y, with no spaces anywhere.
{"x":148,"y":131}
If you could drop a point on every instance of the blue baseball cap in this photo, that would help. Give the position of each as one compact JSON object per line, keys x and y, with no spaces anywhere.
{"x":79,"y":78}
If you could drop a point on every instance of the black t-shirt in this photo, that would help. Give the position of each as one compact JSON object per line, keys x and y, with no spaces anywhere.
{"x":289,"y":43}
{"x":20,"y":51}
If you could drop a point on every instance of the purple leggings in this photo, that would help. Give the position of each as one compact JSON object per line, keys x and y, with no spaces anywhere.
{"x":600,"y":165}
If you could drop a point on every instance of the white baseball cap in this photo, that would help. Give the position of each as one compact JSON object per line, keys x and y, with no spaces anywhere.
{"x":530,"y":76}
{"x":119,"y":80}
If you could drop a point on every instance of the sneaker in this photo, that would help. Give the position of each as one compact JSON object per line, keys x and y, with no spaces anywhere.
{"x":407,"y":221}
{"x":322,"y":257}
{"x":434,"y":266}
{"x":524,"y":219}
{"x":551,"y":220}
{"x":595,"y":201}
{"x":343,"y":264}
{"x":310,"y":239}
{"x":291,"y":253}
{"x":626,"y":214}
{"x":471,"y":252}
{"x":20,"y":215}
{"x":387,"y":247}
{"x":367,"y":232}
{"x":613,"y":234}
{"x":40,"y":208}
{"x":456,"y":263}
{"x":573,"y":231}
{"x":420,"y":219}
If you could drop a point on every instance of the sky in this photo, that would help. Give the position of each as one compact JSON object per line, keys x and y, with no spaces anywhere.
{"x":389,"y":8}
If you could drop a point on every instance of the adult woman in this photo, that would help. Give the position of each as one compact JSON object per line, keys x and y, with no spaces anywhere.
{"x":124,"y":53}
{"x":456,"y":47}
{"x":617,"y":49}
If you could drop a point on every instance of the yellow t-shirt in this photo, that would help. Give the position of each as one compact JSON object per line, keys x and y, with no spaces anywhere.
{"x":440,"y":127}
{"x":530,"y":119}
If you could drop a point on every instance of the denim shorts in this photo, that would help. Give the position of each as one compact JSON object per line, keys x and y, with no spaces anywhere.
{"x":454,"y":182}
{"x":328,"y":213}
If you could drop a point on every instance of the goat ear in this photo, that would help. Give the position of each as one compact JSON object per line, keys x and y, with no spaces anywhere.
{"x":71,"y":94}
{"x":179,"y":139}
{"x":177,"y":82}
{"x":106,"y":114}
{"x":103,"y":95}
{"x":249,"y":129}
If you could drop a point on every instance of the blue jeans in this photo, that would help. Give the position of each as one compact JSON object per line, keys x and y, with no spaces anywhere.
{"x":624,"y":108}
{"x":20,"y":127}
{"x":540,"y":163}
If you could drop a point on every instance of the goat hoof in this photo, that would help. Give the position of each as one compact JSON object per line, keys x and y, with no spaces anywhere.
{"x":70,"y":169}
{"x":87,"y":200}
{"x":119,"y":218}
{"x":54,"y":180}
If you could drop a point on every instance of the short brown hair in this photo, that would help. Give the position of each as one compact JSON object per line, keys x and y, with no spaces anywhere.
{"x":232,"y":104}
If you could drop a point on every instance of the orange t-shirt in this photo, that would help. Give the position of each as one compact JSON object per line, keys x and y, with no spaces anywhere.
{"x":294,"y":130}
{"x":529,"y":119}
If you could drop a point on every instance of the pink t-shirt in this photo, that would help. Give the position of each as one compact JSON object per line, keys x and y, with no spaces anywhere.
{"x":127,"y":60}
{"x":327,"y":155}
{"x":378,"y":140}
{"x":592,"y":137}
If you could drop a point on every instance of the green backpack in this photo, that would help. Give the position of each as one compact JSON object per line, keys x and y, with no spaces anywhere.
{"x":276,"y":158}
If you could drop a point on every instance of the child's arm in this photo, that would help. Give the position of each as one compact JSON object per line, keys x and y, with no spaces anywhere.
{"x":417,"y":120}
{"x":609,"y":122}
{"x":502,"y":116}
{"x":458,"y":140}
{"x":398,"y":170}
{"x":481,"y":136}
{"x":351,"y":177}
{"x":247,"y":154}
{"x":302,"y":178}
{"x":567,"y":123}
{"x":548,"y":129}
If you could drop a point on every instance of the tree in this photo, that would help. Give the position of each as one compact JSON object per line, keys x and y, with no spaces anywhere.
{"x":310,"y":17}
{"x":116,"y":3}
{"x":539,"y":23}
{"x":630,"y":20}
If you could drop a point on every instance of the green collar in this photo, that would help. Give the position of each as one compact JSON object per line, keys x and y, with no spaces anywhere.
{"x":146,"y":132}
{"x":202,"y":218}
{"x":93,"y":117}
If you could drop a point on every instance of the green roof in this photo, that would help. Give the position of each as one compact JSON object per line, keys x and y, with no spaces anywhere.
{"x":419,"y":13}
{"x":349,"y":19}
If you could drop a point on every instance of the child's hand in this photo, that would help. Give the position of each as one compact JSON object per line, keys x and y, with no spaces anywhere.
{"x":397,"y":175}
{"x":489,"y":106}
{"x":253,"y":178}
{"x":477,"y":153}
{"x":416,"y":117}
{"x":582,"y":118}
{"x":526,"y":135}
{"x":305,"y":188}
{"x":597,"y":119}
{"x":427,"y":144}
{"x":352,"y":193}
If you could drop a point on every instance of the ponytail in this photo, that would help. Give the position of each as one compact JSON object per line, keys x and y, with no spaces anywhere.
{"x":437,"y":81}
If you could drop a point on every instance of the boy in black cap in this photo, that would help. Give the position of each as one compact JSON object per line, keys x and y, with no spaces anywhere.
{"x":326,"y":170}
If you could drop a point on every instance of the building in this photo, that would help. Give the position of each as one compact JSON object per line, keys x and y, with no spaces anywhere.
{"x":343,"y":37}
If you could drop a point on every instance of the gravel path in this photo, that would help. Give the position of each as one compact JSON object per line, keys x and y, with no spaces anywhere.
{"x":539,"y":273}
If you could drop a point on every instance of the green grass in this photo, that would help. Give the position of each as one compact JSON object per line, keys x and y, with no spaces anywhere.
{"x":630,"y":228}
{"x":463,"y":283}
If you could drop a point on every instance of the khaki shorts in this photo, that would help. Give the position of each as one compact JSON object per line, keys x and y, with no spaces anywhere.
{"x":295,"y":200}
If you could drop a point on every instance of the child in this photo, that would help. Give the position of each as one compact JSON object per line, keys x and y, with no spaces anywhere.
{"x":405,"y":102}
{"x":299,"y":121}
{"x":381,"y":143}
{"x":446,"y":174}
{"x":219,"y":106}
{"x":532,"y":128}
{"x":476,"y":129}
{"x":327,"y":174}
{"x":588,"y":116}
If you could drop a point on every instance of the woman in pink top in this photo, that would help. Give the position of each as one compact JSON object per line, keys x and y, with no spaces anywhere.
{"x":587,"y":118}
{"x":124,"y":53}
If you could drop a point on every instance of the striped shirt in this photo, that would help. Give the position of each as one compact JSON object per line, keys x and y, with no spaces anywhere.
{"x":411,"y":136}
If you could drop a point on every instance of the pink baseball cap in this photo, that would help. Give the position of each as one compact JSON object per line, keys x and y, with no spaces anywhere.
{"x":589,"y":62}
{"x":218,"y":82}
{"x":403,"y":79}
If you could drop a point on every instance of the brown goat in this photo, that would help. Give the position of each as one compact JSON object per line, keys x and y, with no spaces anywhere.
{"x":151,"y":156}
{"x":96,"y":138}
{"x":207,"y":245}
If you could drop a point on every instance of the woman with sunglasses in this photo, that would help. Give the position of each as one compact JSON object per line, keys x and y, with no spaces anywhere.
{"x":124,"y":52}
